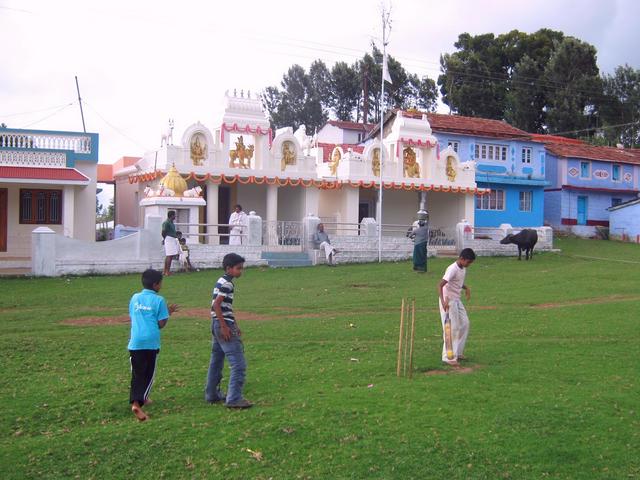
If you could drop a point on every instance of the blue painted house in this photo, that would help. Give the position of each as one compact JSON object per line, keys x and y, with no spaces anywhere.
{"x":47,"y":179}
{"x":585,"y":181}
{"x":508,"y":162}
{"x":624,"y":221}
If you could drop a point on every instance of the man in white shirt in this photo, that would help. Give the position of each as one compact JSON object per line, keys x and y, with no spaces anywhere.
{"x":455,"y":322}
{"x":237,"y":225}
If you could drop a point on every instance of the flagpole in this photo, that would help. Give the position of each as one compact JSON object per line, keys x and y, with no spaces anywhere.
{"x":382,"y":149}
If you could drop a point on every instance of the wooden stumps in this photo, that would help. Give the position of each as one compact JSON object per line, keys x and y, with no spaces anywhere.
{"x":406,"y":337}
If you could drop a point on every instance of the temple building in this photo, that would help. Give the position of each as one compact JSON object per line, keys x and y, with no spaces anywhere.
{"x":284,"y":175}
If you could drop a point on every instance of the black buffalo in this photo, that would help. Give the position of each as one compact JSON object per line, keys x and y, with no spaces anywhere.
{"x":525,"y":240}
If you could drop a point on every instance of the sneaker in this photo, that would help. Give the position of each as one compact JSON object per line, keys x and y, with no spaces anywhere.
{"x":217,"y":400}
{"x":243,"y":403}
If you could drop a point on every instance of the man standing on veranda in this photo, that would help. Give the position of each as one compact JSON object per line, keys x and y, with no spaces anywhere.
{"x":171,"y":245}
{"x":237,"y":222}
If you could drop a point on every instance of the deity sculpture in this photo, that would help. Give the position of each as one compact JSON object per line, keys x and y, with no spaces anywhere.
{"x":198,"y":151}
{"x":451,"y":168}
{"x":335,"y":161}
{"x":375,"y":162}
{"x":411,"y":166}
{"x":242,"y":154}
{"x":288,"y":155}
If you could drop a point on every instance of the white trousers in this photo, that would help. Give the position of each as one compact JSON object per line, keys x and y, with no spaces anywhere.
{"x":328,"y":250}
{"x":236,"y":236}
{"x":459,"y":328}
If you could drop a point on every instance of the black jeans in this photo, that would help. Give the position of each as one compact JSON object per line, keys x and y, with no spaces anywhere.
{"x":143,"y":369}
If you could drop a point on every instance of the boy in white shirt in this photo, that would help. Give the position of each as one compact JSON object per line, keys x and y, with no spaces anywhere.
{"x":452,"y":310}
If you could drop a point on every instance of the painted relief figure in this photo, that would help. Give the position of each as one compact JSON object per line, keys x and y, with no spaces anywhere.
{"x":198,"y":150}
{"x":241,"y":156}
{"x":375,"y":162}
{"x":288,"y":155}
{"x":451,"y":168}
{"x":335,"y":161}
{"x":411,"y":166}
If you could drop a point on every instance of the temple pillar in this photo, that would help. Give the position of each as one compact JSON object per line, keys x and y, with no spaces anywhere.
{"x":212,"y":212}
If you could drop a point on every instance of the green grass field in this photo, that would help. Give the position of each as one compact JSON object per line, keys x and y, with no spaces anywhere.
{"x":554,"y":345}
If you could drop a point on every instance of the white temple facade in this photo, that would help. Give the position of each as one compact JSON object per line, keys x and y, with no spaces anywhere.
{"x":284,"y":176}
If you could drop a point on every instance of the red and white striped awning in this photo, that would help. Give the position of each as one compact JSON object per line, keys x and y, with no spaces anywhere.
{"x":54,"y":176}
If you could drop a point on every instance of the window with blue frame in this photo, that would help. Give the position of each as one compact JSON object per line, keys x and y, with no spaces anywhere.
{"x":585,"y":169}
{"x":491,"y":201}
{"x":526,"y":155}
{"x":615,"y":173}
{"x":526,"y":199}
{"x":455,"y":145}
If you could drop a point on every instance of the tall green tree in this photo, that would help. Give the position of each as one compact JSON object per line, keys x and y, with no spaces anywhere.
{"x":297,"y":103}
{"x":621,"y":106}
{"x":573,"y":73}
{"x":308,"y":98}
{"x":539,"y":82}
{"x":473,"y":78}
{"x":345,"y":90}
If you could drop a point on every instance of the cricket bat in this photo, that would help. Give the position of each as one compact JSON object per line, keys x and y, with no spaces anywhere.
{"x":447,"y":336}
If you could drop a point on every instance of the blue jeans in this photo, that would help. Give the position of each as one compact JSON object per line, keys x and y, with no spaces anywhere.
{"x":234,"y":351}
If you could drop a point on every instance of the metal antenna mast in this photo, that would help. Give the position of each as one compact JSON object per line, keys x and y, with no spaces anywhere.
{"x":80,"y":102}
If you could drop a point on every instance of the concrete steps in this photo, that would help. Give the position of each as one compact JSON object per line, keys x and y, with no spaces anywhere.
{"x":286,"y":259}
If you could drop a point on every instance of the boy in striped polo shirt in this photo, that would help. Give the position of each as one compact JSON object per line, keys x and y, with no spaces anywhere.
{"x":226,"y":339}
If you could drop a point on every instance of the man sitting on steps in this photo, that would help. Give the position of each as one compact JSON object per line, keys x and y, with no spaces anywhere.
{"x":321,"y":241}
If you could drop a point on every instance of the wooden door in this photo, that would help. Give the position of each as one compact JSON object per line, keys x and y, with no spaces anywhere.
{"x":582,"y":210}
{"x":3,"y":219}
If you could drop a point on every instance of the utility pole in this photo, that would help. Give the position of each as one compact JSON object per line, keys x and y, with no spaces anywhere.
{"x":80,"y":102}
{"x":386,"y":23}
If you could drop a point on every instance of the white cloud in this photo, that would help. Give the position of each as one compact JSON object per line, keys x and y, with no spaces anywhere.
{"x":141,"y":62}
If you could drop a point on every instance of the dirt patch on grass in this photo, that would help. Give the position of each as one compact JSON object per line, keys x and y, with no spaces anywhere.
{"x":587,"y":301}
{"x":202,"y":313}
{"x":452,"y":370}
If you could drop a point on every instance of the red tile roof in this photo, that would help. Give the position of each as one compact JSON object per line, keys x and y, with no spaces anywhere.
{"x":365,"y":127}
{"x":591,"y":152}
{"x":37,"y":173}
{"x":537,"y":137}
{"x":481,"y":127}
{"x":327,"y":149}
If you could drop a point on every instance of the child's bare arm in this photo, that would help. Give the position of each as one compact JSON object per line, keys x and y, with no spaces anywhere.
{"x":467,"y":292}
{"x":443,"y":301}
{"x":172,"y":309}
{"x":217,"y":308}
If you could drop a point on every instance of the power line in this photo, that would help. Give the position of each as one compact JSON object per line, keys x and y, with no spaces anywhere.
{"x":114,"y":127}
{"x":35,"y":111}
{"x":48,"y":116}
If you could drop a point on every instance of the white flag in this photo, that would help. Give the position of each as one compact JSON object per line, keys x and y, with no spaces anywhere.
{"x":385,"y":70}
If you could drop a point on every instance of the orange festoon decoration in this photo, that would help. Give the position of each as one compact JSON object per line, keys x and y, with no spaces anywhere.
{"x":322,"y":184}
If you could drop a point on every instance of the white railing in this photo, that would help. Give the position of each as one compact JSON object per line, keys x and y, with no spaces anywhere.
{"x":200,"y":236}
{"x":15,"y":158}
{"x":77,"y":143}
{"x":283,"y":233}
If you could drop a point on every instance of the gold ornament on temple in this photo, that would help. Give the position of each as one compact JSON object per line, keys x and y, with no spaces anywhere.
{"x":288,"y":155}
{"x":335,"y":161}
{"x":375,"y":162}
{"x":174,"y":181}
{"x":411,"y":166}
{"x":242,"y":155}
{"x":451,"y":168}
{"x":198,"y":151}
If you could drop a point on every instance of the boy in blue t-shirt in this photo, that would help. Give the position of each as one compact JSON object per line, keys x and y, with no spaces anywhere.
{"x":149,"y":313}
